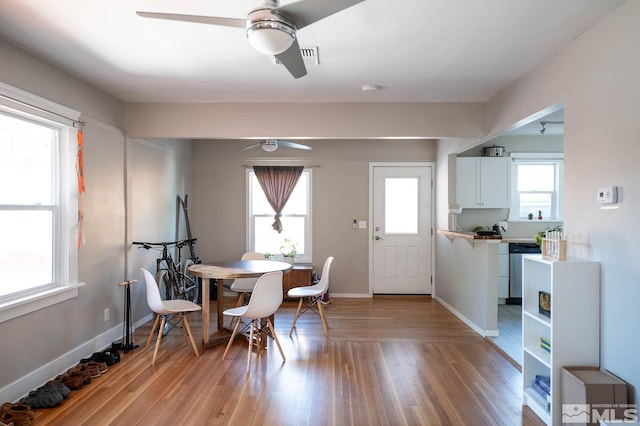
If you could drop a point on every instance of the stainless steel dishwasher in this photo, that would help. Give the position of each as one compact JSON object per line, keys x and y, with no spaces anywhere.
{"x":516,"y":251}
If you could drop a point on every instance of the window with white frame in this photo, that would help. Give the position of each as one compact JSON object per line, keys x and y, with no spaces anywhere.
{"x":296,"y":219}
{"x":536,"y":181}
{"x":38,"y":210}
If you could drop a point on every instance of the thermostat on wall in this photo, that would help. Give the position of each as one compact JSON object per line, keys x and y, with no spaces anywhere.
{"x":608,"y":195}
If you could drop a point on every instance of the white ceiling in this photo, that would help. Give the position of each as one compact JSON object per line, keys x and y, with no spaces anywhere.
{"x":416,"y":50}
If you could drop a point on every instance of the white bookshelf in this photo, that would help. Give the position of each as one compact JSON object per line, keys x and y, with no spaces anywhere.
{"x":573,"y":328}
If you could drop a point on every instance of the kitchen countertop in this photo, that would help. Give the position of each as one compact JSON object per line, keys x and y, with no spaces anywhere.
{"x":518,"y":240}
{"x":468,"y":235}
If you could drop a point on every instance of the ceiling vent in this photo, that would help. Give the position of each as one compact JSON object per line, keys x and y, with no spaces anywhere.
{"x":309,"y":56}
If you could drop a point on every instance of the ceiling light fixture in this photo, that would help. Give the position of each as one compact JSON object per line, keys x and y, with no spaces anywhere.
{"x":269,"y":32}
{"x":369,"y":87}
{"x":543,"y":124}
{"x":269,"y":145}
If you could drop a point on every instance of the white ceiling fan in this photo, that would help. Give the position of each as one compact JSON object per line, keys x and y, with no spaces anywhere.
{"x":271,"y":145}
{"x":270,"y":28}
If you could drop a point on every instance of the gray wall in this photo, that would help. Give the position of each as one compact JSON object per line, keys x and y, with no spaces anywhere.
{"x":42,"y":344}
{"x":340,"y":194}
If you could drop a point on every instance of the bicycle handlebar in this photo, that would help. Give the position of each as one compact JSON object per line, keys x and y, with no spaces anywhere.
{"x":146,"y":245}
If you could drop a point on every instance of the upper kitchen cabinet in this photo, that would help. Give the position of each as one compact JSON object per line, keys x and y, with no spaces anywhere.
{"x":482,"y":182}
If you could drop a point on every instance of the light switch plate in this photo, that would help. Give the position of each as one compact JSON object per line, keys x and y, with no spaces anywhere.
{"x":362,"y":224}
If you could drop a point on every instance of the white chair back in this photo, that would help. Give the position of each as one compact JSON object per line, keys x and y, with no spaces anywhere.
{"x":252,"y":255}
{"x":266,"y":297}
{"x":247,"y":284}
{"x":323,"y":284}
{"x":153,"y":293}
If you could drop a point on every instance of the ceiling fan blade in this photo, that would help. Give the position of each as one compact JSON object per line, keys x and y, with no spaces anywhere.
{"x":212,"y":20}
{"x":292,"y":60}
{"x":307,"y":12}
{"x":293,"y":145}
{"x":252,"y":146}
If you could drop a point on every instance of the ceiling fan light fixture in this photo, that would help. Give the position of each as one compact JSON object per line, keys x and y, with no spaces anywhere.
{"x":270,"y":37}
{"x":370,"y":87}
{"x":269,"y":145}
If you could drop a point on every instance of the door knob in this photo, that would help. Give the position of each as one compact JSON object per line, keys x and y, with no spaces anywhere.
{"x":377,"y":237}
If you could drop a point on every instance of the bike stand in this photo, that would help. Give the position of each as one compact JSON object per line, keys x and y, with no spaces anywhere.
{"x":127,"y":338}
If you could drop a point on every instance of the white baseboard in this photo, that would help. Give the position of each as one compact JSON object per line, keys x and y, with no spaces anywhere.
{"x":350,"y":295}
{"x":467,"y":321}
{"x":21,"y":387}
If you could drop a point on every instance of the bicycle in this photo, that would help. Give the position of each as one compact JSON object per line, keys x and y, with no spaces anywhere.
{"x":172,"y":277}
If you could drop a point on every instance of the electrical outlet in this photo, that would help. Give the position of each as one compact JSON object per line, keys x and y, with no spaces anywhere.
{"x":503,"y":225}
{"x":106,"y":315}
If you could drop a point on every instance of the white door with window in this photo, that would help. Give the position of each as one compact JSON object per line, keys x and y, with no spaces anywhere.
{"x":401,"y":229}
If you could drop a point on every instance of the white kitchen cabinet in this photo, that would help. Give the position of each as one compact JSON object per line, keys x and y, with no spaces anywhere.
{"x":503,"y":272}
{"x":573,"y":328}
{"x":482,"y":182}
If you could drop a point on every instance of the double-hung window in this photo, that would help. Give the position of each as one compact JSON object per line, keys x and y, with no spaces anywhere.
{"x":536,"y":181}
{"x":38,"y":209}
{"x":296,"y":219}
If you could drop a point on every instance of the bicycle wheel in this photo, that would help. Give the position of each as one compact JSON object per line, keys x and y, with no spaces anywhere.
{"x":164,"y":285}
{"x":189,"y":285}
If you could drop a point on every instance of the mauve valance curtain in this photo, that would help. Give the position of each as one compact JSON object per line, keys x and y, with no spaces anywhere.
{"x":278,"y":183}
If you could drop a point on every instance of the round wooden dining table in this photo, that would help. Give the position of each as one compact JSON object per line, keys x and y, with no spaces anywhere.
{"x":224,"y":270}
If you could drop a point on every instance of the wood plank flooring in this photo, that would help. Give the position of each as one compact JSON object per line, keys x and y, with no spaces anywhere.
{"x":510,"y":327}
{"x":388,"y":361}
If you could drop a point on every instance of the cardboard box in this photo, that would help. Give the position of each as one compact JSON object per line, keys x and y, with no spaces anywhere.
{"x":599,"y":392}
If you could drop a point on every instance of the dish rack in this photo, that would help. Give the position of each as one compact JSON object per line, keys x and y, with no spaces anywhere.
{"x":554,"y":246}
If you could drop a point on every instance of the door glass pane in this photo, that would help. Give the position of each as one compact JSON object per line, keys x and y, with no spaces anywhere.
{"x":401,"y":205}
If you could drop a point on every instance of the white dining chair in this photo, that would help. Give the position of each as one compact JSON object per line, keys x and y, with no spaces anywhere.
{"x":244,"y":286}
{"x":312,"y":296}
{"x":265,"y":300}
{"x":172,"y":311}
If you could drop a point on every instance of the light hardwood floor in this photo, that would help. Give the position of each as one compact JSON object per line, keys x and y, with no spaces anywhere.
{"x":388,"y":361}
{"x":510,"y":327}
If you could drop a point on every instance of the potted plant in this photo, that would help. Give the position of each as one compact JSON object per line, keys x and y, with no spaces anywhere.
{"x":288,"y":251}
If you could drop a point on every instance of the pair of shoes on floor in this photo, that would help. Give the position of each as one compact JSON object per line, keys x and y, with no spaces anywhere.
{"x":50,"y":395}
{"x":19,"y":414}
{"x":95,"y":368}
{"x":108,"y":356}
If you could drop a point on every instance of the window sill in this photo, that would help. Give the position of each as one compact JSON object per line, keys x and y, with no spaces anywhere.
{"x":24,"y":305}
{"x":536,"y":220}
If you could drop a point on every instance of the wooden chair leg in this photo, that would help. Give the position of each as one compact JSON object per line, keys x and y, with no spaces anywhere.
{"x":181,"y":322}
{"x":233,"y":336}
{"x":322,"y":317}
{"x":155,"y":352}
{"x":193,"y":342}
{"x":153,"y":329}
{"x":275,"y":338}
{"x":295,"y":318}
{"x":239,"y":300}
